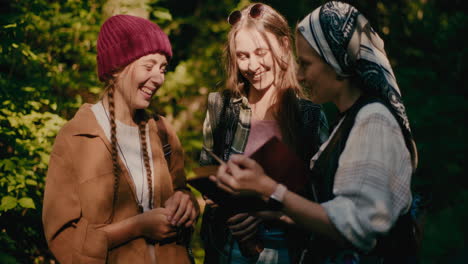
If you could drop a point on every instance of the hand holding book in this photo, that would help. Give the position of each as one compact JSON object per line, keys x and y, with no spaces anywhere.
{"x":277,"y":161}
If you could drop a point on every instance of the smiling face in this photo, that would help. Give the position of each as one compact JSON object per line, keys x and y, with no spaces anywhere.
{"x":255,"y":59}
{"x":315,"y":74}
{"x":139,"y":81}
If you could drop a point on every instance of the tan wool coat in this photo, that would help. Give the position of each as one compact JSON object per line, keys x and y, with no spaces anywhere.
{"x":79,"y":193}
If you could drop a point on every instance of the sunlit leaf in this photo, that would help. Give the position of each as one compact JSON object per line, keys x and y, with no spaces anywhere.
{"x":28,"y":89}
{"x":95,"y":90}
{"x":31,"y":182}
{"x":8,"y":202}
{"x":162,"y":14}
{"x":10,"y":188}
{"x":10,"y":25}
{"x":27,"y":202}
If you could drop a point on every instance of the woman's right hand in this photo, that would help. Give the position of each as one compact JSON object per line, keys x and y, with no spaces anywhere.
{"x":242,"y":175}
{"x":153,"y":224}
{"x":243,"y":226}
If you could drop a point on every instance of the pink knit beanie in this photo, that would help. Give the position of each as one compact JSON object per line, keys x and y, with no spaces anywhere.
{"x":125,"y":38}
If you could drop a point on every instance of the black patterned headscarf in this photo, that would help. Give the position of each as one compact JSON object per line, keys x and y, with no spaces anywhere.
{"x":343,"y":37}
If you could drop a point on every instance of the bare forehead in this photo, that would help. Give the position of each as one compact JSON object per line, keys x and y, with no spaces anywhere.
{"x":154,"y":58}
{"x":251,"y":39}
{"x":304,"y":50}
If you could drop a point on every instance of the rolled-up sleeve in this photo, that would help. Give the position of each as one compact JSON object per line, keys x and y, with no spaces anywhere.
{"x":372,"y":182}
{"x":70,"y":237}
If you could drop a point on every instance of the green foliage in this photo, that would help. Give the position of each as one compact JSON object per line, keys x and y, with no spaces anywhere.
{"x":448,"y":225}
{"x":197,"y":32}
{"x":48,"y":69}
{"x":28,"y":137}
{"x":47,"y":65}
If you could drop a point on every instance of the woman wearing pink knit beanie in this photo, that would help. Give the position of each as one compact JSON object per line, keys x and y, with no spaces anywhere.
{"x":116,"y":189}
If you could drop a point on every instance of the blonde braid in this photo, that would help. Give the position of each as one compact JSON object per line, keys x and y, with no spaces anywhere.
{"x":144,"y":148}
{"x":115,"y":165}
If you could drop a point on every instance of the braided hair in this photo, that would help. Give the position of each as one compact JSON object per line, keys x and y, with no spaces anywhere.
{"x":141,"y":115}
{"x":142,"y":119}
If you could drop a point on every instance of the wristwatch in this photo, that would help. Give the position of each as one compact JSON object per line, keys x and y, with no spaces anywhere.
{"x":275,"y":202}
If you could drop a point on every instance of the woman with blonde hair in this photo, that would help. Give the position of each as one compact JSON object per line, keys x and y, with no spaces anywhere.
{"x":361,"y":211}
{"x":115,"y":189}
{"x":262,"y":99}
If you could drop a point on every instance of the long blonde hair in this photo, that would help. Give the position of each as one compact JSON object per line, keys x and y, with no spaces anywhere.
{"x":288,"y":89}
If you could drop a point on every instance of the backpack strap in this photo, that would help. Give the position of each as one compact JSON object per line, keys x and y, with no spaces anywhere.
{"x":184,"y":235}
{"x":224,"y":121}
{"x":225,"y":129}
{"x":162,"y":133}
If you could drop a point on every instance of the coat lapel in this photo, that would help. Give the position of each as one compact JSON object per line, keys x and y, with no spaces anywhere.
{"x":89,"y":127}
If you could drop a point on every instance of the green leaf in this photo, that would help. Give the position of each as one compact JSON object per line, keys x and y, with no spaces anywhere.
{"x":10,"y":25}
{"x":95,"y":90}
{"x":8,"y":165}
{"x":27,"y":202}
{"x":8,"y":203}
{"x":11,"y":188}
{"x":28,"y":89}
{"x":163,"y":15}
{"x":31,"y":182}
{"x":35,"y":105}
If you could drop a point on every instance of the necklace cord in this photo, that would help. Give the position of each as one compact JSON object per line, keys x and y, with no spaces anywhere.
{"x":139,"y":199}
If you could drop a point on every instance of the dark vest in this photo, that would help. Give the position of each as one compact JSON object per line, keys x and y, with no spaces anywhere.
{"x":400,"y":241}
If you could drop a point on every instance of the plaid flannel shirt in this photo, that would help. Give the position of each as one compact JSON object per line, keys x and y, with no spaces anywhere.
{"x":243,"y":126}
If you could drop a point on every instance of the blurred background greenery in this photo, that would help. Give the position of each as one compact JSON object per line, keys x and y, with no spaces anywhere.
{"x":48,"y":69}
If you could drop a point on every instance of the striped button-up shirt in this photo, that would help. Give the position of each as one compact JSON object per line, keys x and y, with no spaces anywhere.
{"x":372,"y":181}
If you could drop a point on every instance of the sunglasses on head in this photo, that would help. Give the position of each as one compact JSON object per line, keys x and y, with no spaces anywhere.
{"x":235,"y":16}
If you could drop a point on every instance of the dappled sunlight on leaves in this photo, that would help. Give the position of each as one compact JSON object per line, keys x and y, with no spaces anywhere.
{"x":48,"y":69}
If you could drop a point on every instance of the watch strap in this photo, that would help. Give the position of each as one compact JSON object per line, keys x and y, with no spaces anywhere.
{"x":275,"y":202}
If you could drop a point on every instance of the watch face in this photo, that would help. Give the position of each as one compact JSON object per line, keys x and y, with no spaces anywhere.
{"x":274,"y":204}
